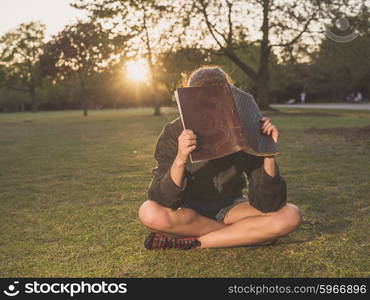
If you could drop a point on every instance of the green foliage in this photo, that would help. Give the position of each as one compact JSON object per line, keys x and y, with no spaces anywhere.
{"x":143,"y":19}
{"x":84,"y":63}
{"x":174,"y":66}
{"x":12,"y":100}
{"x":339,"y":69}
{"x":81,"y":50}
{"x":20,"y":52}
{"x":248,"y":54}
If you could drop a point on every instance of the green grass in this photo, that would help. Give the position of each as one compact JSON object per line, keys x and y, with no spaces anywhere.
{"x":70,"y":188}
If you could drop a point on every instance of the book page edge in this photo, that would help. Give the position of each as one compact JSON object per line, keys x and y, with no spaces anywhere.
{"x":181,"y":117}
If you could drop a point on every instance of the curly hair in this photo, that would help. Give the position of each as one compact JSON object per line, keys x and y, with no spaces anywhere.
{"x":208,"y":75}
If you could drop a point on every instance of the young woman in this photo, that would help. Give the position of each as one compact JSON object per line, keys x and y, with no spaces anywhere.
{"x":201,"y":205}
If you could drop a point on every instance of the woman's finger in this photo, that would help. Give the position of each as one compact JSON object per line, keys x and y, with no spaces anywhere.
{"x":266,"y":127}
{"x":267,"y":123}
{"x":190,"y":149}
{"x":187,"y":131}
{"x":270,"y":130}
{"x":190,"y":143}
{"x":274,"y":130}
{"x":190,"y":136}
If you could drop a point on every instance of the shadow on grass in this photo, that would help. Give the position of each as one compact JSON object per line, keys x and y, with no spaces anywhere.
{"x":350,"y":134}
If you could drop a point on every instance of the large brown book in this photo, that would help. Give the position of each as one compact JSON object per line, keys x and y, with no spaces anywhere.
{"x":225,"y":120}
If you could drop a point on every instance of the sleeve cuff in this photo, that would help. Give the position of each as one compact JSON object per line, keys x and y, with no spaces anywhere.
{"x":168,"y":187}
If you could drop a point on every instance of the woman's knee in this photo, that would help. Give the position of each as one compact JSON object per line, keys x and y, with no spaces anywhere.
{"x":154,"y":216}
{"x":288,"y":219}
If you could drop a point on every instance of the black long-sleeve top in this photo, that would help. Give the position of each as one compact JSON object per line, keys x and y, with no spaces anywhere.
{"x":215,"y":182}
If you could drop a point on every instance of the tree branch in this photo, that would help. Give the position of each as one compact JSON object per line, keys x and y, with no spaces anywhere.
{"x":292,"y":41}
{"x":228,"y":52}
{"x":203,"y":10}
{"x":230,"y":36}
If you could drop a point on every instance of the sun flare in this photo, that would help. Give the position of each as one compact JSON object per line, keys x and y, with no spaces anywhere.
{"x":137,"y":70}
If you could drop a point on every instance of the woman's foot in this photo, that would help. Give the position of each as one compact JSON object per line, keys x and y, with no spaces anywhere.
{"x":157,"y":241}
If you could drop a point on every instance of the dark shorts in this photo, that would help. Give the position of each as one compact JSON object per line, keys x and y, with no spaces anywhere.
{"x":218,"y":213}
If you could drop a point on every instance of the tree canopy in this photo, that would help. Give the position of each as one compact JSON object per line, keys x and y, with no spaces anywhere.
{"x":20,"y":51}
{"x":79,"y":51}
{"x":271,"y":48}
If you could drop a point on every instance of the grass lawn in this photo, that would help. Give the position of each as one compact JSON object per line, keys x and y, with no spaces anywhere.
{"x":70,"y":188}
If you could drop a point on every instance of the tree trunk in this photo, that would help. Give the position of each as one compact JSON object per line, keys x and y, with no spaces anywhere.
{"x":154,"y":96}
{"x":263,"y":94}
{"x":84,"y":99}
{"x":263,"y":71}
{"x":263,"y":90}
{"x":153,"y":83}
{"x":157,"y":110}
{"x":85,"y":111}
{"x":34,"y":101}
{"x":157,"y":107}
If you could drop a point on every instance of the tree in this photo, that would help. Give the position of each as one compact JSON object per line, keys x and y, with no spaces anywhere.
{"x":175,"y":65}
{"x":273,"y":26}
{"x":140,"y":18}
{"x":200,"y":21}
{"x":20,"y":52}
{"x":78,"y":52}
{"x":341,"y":68}
{"x":265,"y":24}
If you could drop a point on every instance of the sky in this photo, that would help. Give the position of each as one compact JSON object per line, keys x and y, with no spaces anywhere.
{"x":55,"y":14}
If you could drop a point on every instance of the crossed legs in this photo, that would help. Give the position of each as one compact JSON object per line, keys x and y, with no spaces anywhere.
{"x":243,"y":225}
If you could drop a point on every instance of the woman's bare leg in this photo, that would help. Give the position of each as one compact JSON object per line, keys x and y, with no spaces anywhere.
{"x":244,"y":225}
{"x":176,"y":222}
{"x":254,"y":229}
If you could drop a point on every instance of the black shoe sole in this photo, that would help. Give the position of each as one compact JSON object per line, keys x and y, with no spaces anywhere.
{"x":148,"y":242}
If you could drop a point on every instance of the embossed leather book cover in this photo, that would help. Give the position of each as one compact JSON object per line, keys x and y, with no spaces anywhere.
{"x":225,"y":120}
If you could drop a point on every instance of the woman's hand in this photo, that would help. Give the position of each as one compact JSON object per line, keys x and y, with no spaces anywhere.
{"x":187,"y":142}
{"x":270,"y":129}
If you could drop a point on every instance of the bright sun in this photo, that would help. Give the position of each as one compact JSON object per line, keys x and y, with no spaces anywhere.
{"x":137,"y":70}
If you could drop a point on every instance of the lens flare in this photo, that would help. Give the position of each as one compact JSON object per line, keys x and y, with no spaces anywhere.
{"x":137,"y":70}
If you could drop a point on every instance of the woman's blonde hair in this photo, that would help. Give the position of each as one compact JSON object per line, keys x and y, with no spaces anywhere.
{"x":208,"y":75}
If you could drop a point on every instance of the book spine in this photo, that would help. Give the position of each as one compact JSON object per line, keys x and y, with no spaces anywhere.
{"x":238,"y":130}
